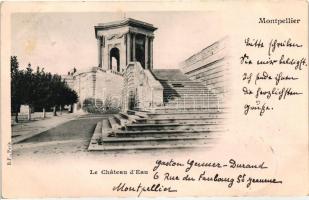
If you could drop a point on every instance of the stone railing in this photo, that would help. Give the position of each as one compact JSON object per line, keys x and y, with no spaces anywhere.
{"x":141,"y":91}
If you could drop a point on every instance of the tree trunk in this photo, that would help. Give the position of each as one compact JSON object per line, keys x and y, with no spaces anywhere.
{"x":44,"y":113}
{"x":29,"y":113}
{"x":60,"y":109}
{"x":16,"y":116}
{"x":54,"y":111}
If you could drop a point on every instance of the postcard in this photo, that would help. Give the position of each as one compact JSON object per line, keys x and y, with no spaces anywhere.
{"x":154,"y":99}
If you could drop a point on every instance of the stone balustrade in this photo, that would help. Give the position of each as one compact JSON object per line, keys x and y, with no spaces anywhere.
{"x":141,"y":90}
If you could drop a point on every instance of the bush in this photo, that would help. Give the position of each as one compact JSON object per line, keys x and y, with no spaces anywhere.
{"x":97,"y":106}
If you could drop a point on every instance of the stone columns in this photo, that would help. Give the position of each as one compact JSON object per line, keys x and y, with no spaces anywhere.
{"x":146,"y":52}
{"x":100,"y":50}
{"x":99,"y":41}
{"x":128,"y":48}
{"x":151,"y":53}
{"x":133,"y":48}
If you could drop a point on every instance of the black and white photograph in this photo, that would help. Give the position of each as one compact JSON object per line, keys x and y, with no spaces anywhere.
{"x":85,"y":82}
{"x":154,"y":99}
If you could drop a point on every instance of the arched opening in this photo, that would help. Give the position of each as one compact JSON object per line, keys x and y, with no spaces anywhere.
{"x":114,"y":63}
{"x":140,"y":49}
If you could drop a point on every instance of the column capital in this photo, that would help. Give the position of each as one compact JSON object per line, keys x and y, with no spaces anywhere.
{"x":101,"y":40}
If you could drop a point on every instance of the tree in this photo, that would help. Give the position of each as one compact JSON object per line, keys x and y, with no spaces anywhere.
{"x":29,"y":89}
{"x":55,"y":92}
{"x":67,"y":96}
{"x":38,"y":89}
{"x":40,"y":94}
{"x":16,"y":87}
{"x":61,"y":94}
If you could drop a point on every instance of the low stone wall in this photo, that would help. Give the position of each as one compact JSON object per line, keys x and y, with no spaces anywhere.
{"x":209,"y":66}
{"x":141,"y":91}
{"x":98,"y":86}
{"x":108,"y":87}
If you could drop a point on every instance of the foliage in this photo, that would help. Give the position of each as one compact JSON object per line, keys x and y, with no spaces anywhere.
{"x":92,"y":105}
{"x":16,"y":85}
{"x":38,"y":89}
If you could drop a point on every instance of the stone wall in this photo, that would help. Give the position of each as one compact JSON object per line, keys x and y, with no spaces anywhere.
{"x":84,"y":84}
{"x":98,"y":84}
{"x":109,"y":86}
{"x":141,"y":91}
{"x":209,"y":66}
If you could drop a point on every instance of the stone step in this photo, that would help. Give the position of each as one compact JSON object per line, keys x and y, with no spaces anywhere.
{"x":185,"y":81}
{"x":130,"y":118}
{"x":190,"y":97}
{"x":179,"y":80}
{"x":98,"y":127}
{"x":172,"y":126}
{"x":187,"y":110}
{"x":113,"y":123}
{"x":158,"y":115}
{"x":97,"y":134}
{"x":158,"y":137}
{"x":162,"y":144}
{"x":120,"y":120}
{"x":192,"y":101}
{"x":137,"y":113}
{"x":105,"y":125}
{"x":196,"y":123}
{"x":190,"y":106}
{"x":148,"y":139}
{"x":183,"y":93}
{"x":172,"y":114}
{"x":181,"y":120}
{"x":188,"y":82}
{"x":182,"y":84}
{"x":188,"y":94}
{"x":187,"y":89}
{"x":175,"y":133}
{"x":126,"y":133}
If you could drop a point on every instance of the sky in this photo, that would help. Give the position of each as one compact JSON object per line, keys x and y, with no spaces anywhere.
{"x":60,"y":41}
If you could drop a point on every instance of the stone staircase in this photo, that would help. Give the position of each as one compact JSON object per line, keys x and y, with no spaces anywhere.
{"x":190,"y":117}
{"x":184,"y":94}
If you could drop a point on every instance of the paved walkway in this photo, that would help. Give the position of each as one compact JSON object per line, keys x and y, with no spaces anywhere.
{"x":71,"y":139}
{"x":23,"y":131}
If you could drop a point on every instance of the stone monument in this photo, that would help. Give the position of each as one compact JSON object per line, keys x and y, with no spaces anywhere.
{"x":119,"y":43}
{"x":124,"y":41}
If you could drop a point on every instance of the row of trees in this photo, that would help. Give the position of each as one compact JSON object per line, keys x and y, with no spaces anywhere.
{"x":38,"y":89}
